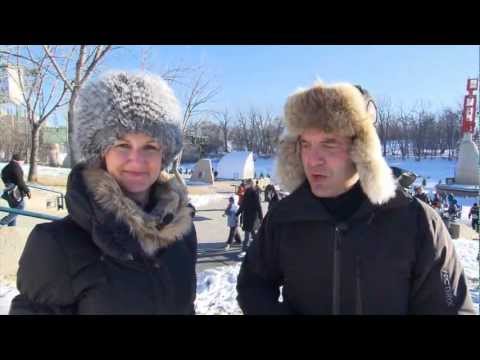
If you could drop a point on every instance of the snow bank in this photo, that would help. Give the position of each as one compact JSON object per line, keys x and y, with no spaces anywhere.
{"x":216,"y":291}
{"x":203,"y":200}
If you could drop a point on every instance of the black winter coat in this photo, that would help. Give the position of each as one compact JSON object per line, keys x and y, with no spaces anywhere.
{"x":397,"y":258}
{"x":109,"y":256}
{"x":251,"y":210}
{"x":12,"y":173}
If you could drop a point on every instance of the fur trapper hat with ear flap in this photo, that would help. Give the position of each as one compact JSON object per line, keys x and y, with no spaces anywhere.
{"x":122,"y":102}
{"x":344,"y":109}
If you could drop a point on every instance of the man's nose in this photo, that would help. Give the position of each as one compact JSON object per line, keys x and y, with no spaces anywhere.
{"x":317,"y":157}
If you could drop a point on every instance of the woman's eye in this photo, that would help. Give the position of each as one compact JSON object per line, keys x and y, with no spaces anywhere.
{"x":123,"y":146}
{"x":152,"y":148}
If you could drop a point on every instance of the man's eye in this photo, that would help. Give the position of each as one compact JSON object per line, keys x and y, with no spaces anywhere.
{"x":331,"y":145}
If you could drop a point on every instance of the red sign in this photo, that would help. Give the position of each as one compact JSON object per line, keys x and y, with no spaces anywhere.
{"x":470,"y":107}
{"x":472,"y":85}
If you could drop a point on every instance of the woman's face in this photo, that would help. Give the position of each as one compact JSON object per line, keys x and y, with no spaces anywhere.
{"x":135,"y":161}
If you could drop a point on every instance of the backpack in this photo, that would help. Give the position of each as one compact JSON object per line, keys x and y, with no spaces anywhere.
{"x":12,"y":195}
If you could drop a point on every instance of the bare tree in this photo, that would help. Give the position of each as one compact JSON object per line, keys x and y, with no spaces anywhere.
{"x":449,"y":123}
{"x":244,"y":132}
{"x":199,"y":93}
{"x":87,"y":58}
{"x":42,"y":92}
{"x":256,"y":131}
{"x":224,"y":120}
{"x":404,"y":121}
{"x":384,"y":122}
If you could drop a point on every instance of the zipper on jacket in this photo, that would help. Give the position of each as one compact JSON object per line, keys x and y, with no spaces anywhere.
{"x":337,"y":266}
{"x":358,"y":284}
{"x":152,"y":267}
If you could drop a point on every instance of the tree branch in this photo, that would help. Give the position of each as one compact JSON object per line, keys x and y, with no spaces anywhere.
{"x":100,"y":53}
{"x":59,"y":71}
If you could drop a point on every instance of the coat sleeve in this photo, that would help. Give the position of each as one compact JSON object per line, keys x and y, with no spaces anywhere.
{"x":259,"y":206}
{"x":192,"y":244}
{"x":43,"y":277}
{"x":439,"y":284}
{"x":260,"y":277}
{"x":240,"y":209}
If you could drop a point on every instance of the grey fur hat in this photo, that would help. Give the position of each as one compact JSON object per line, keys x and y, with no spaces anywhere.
{"x":344,"y":109}
{"x":121,"y":102}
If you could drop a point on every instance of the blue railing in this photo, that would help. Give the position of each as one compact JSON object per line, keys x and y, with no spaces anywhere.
{"x":30,"y":213}
{"x":60,"y":199}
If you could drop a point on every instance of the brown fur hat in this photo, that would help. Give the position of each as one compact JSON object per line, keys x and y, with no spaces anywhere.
{"x":339,"y":108}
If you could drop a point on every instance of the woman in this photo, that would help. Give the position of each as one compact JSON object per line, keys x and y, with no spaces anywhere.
{"x":128,"y":245}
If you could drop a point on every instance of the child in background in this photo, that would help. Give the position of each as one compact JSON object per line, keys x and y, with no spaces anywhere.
{"x":232,"y":223}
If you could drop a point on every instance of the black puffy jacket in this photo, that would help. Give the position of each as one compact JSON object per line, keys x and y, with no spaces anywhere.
{"x":251,"y":210}
{"x":397,"y":258}
{"x":109,"y":256}
{"x":12,"y":173}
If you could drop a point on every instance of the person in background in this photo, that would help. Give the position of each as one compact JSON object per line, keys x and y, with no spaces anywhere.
{"x":474,"y":213}
{"x":241,"y":192}
{"x":252,"y":215}
{"x":258,"y":189}
{"x":271,"y":196}
{"x":15,"y":189}
{"x":232,"y":223}
{"x":421,"y":194}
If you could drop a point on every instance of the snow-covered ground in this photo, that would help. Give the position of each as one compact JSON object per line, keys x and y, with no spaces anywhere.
{"x":216,"y":291}
{"x":203,"y":200}
{"x":7,"y":293}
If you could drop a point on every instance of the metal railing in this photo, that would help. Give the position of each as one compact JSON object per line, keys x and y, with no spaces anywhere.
{"x":60,"y":199}
{"x":30,"y":213}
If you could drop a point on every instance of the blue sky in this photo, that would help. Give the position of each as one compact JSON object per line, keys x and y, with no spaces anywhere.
{"x":263,"y":76}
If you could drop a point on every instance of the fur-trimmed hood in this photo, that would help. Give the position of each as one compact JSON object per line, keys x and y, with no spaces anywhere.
{"x":339,"y":108}
{"x":96,"y":202}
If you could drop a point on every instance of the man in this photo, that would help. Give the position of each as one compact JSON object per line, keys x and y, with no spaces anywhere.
{"x":474,"y":212}
{"x":421,"y":194}
{"x":252,"y":214}
{"x":12,"y":177}
{"x":348,"y":239}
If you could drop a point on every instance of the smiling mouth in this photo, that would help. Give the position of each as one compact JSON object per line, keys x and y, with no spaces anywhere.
{"x":134,"y":173}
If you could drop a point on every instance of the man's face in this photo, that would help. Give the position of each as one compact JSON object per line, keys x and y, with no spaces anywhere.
{"x":326,"y":162}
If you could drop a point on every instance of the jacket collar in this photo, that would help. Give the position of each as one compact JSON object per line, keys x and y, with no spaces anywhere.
{"x":302,"y":205}
{"x":118,"y":226}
